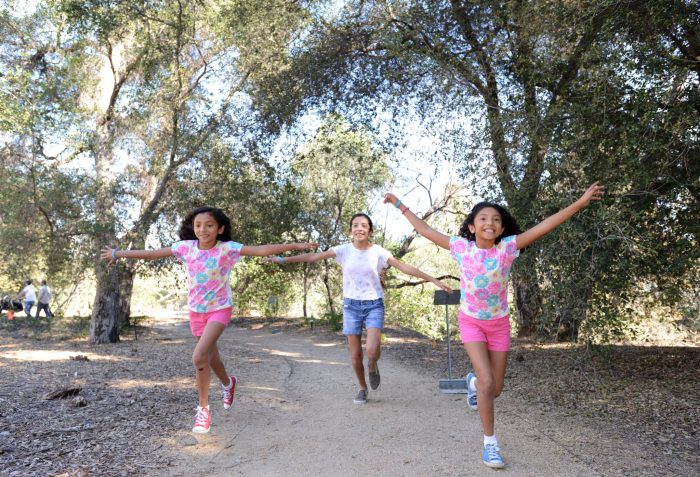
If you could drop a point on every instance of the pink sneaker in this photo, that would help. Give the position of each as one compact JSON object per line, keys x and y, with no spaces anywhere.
{"x":228,"y":393}
{"x":202,"y":421}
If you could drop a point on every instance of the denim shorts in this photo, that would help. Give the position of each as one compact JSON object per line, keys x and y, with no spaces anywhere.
{"x":362,"y":313}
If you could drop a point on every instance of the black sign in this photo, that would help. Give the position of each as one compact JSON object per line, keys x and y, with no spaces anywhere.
{"x":444,"y":298}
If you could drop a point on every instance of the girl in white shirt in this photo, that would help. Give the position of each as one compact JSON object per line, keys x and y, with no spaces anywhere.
{"x":362,"y":263}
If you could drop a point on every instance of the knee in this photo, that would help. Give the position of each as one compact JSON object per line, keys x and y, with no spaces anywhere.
{"x":374,"y":353}
{"x":200,"y":359}
{"x":486,"y":386}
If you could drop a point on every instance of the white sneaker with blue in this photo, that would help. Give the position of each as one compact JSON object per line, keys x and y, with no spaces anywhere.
{"x":471,"y":391}
{"x":492,"y":456}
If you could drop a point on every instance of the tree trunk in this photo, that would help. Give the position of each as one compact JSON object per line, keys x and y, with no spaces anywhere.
{"x":104,"y":323}
{"x":306,"y":289}
{"x":104,"y":327}
{"x":126,"y":286}
{"x":572,"y":313}
{"x":528,"y":299}
{"x":327,"y":283}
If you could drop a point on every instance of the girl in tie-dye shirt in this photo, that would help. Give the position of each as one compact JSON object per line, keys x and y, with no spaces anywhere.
{"x":488,"y":243}
{"x":209,"y":254}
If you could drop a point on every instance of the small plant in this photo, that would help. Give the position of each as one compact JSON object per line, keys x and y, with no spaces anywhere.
{"x":310,"y":321}
{"x":335,"y":320}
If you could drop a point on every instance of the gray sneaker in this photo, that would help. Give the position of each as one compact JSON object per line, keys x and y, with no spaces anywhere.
{"x":361,"y":397}
{"x":374,"y":378}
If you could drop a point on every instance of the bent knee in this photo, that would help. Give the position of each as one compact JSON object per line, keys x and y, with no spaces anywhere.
{"x":486,"y":385}
{"x":200,"y":359}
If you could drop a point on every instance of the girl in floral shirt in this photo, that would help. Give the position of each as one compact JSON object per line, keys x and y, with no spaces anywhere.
{"x":209,"y":254}
{"x":488,"y":243}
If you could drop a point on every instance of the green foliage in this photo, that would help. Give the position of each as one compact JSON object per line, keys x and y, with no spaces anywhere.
{"x":118,"y":117}
{"x":335,"y":174}
{"x":412,"y":307}
{"x":335,"y":320}
{"x":254,"y":282}
{"x":561,"y":94}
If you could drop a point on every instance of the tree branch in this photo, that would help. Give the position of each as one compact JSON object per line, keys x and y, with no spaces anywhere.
{"x":420,"y":282}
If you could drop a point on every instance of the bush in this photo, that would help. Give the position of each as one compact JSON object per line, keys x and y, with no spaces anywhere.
{"x":335,"y":320}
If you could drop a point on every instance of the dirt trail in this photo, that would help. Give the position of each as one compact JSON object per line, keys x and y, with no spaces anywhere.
{"x":294,"y":415}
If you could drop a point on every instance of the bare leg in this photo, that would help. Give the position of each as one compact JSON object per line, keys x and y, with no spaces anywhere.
{"x":490,"y":369}
{"x":201,"y":359}
{"x":355,"y":345}
{"x":374,"y":351}
{"x":217,"y":365}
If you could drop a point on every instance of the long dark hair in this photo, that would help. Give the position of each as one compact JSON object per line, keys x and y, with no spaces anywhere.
{"x":510,"y":226}
{"x":187,"y":226}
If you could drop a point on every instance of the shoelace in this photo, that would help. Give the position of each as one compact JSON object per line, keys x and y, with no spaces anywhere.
{"x":492,"y":453}
{"x":227,"y":393}
{"x":202,"y":417}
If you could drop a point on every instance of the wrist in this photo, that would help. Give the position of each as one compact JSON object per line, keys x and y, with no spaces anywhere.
{"x":398,"y":204}
{"x":114,"y":254}
{"x":580,"y":204}
{"x":280,"y":260}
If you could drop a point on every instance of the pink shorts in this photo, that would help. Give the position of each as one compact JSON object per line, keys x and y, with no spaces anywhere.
{"x":199,"y":320}
{"x":495,"y":333}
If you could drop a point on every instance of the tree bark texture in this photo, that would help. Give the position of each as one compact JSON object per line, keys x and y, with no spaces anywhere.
{"x":104,"y":326}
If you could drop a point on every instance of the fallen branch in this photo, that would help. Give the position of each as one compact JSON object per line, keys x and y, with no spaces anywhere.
{"x":62,"y":393}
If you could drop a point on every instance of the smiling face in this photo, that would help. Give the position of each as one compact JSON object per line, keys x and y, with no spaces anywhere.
{"x":360,"y":229}
{"x":487,"y":226}
{"x":206,"y":229}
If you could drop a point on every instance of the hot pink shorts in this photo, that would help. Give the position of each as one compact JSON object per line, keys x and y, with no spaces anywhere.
{"x":495,"y":332}
{"x":199,"y":320}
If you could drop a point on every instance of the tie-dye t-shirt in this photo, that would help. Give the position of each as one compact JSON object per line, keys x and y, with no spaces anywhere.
{"x":207,"y":273}
{"x":484,"y":280}
{"x":361,"y":269}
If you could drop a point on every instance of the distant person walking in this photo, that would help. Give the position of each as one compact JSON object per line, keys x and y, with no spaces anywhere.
{"x":44,"y":300}
{"x":29,"y":295}
{"x":209,"y":253}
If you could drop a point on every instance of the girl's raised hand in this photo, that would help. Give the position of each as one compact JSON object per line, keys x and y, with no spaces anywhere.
{"x":594,"y":192}
{"x":107,"y":255}
{"x":391,"y":199}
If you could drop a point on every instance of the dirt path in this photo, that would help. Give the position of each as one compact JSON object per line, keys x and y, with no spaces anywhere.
{"x":564,"y":412}
{"x":294,"y":415}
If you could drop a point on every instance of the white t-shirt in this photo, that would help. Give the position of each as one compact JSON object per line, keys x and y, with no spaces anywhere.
{"x":44,"y":294}
{"x":361,"y":270}
{"x":29,"y":293}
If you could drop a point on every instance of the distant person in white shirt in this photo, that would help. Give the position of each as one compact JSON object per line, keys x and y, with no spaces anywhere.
{"x":29,"y":295}
{"x":362,"y":262}
{"x":44,"y":300}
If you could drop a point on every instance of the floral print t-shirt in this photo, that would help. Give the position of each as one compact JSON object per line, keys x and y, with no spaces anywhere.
{"x":484,"y":276}
{"x":207,"y":273}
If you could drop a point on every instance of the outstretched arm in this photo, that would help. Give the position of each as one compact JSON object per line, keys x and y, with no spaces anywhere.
{"x":411,"y":270}
{"x":594,"y":192}
{"x":110,"y":255}
{"x":439,"y":239}
{"x":274,"y":248}
{"x":304,"y":257}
